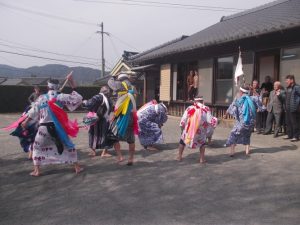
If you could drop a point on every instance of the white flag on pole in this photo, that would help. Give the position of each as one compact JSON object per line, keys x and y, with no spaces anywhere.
{"x":239,"y":69}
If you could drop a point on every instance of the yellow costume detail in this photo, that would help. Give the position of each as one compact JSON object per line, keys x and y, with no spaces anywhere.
{"x":125,"y":104}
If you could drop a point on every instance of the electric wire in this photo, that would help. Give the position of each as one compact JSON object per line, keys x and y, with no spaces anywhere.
{"x":144,"y":4}
{"x":43,"y":14}
{"x":48,"y":52}
{"x":47,"y":58}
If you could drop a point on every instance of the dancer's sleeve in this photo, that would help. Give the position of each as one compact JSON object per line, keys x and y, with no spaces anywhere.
{"x":71,"y":101}
{"x":213,"y":121}
{"x":33,"y":112}
{"x":257,"y":100}
{"x":93,"y":103}
{"x":162,"y":117}
{"x":184,"y":118}
{"x":30,"y":98}
{"x":232,"y":110}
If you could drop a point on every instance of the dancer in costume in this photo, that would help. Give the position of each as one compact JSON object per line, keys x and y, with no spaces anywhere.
{"x":26,"y":135}
{"x":52,"y":144}
{"x":243,"y":109}
{"x":210,"y":128}
{"x":194,"y":123}
{"x":100,"y":107}
{"x":210,"y":131}
{"x":125,"y":119}
{"x":151,"y":118}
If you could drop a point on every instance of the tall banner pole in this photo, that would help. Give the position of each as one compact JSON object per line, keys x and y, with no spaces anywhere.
{"x":239,"y":70}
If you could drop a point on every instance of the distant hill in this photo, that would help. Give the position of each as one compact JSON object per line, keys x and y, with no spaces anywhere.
{"x":82,"y":75}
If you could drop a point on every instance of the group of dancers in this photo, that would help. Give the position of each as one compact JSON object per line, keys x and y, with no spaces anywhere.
{"x":46,"y":128}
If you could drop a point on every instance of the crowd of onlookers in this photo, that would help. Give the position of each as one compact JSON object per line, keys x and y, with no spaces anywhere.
{"x":281,"y":107}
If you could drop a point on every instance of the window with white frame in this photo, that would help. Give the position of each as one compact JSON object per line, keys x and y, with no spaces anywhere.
{"x":224,"y":80}
{"x":205,"y":73}
{"x":290,"y":63}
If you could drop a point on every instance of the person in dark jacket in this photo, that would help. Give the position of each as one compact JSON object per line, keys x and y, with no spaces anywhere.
{"x":275,"y":109}
{"x":99,"y":106}
{"x":292,"y":102}
{"x":267,"y":86}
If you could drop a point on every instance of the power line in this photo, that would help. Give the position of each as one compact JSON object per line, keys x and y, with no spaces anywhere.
{"x":125,"y":43}
{"x":182,"y":5}
{"x":47,"y":58}
{"x":34,"y":19}
{"x":107,"y":67}
{"x":8,"y":61}
{"x":46,"y":14}
{"x":114,"y":47}
{"x":166,"y":5}
{"x":30,"y":48}
{"x":48,"y":52}
{"x":83,"y":43}
{"x":108,"y":62}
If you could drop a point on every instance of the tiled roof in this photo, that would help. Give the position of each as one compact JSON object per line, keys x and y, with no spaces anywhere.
{"x":12,"y":81}
{"x":145,"y":53}
{"x":272,"y":17}
{"x":2,"y":79}
{"x":34,"y":80}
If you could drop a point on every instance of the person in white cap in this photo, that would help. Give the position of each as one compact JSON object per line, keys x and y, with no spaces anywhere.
{"x":194,"y":123}
{"x":52,"y":144}
{"x":151,"y":118}
{"x":125,"y":118}
{"x":243,"y":109}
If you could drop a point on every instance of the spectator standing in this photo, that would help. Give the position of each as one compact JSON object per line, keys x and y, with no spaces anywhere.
{"x":266,"y":88}
{"x":194,"y":88}
{"x":275,"y":109}
{"x":256,"y":91}
{"x":292,"y":102}
{"x":190,"y":84}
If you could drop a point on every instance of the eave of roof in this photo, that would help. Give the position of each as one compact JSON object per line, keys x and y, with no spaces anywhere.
{"x":140,"y":68}
{"x":158,"y":47}
{"x":272,"y":17}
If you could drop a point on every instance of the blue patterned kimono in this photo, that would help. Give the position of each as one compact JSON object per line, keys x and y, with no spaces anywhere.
{"x":243,"y":110}
{"x":26,"y":136}
{"x":102,"y":106}
{"x":150,"y":120}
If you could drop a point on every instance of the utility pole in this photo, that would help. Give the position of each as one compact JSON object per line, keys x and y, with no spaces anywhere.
{"x":102,"y":51}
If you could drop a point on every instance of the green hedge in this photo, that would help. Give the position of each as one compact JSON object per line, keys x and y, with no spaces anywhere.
{"x":15,"y":98}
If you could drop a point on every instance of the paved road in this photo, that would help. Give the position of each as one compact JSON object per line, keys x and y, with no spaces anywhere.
{"x":260,"y":189}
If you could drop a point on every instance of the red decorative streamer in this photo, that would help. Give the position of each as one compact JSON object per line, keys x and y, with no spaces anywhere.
{"x":70,"y":127}
{"x":135,"y":123}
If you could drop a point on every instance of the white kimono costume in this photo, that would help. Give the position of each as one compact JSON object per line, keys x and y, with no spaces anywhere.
{"x":44,"y":147}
